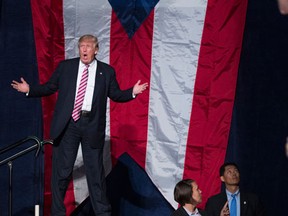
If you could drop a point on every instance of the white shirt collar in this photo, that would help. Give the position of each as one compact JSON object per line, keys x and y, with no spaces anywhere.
{"x":82,"y":65}
{"x":196,"y":212}
{"x":229,"y":193}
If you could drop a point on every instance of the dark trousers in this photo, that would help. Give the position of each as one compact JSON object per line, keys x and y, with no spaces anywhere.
{"x":64,"y":156}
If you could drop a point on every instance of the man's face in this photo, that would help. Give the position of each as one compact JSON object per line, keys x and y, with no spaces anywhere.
{"x":231,"y":176}
{"x":196,"y":193}
{"x":87,"y":51}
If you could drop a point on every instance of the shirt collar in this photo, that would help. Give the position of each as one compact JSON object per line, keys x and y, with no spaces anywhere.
{"x":229,"y":193}
{"x":82,"y":65}
{"x":196,"y":212}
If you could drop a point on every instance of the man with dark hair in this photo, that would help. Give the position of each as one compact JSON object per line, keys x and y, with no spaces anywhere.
{"x":188,"y":195}
{"x":240,"y":204}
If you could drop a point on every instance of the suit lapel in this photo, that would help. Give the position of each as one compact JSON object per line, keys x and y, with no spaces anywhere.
{"x":72,"y":73}
{"x":243,"y":204}
{"x":223,"y":198}
{"x":99,"y":82}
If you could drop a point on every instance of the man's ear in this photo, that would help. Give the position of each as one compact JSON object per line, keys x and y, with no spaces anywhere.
{"x":222,"y":178}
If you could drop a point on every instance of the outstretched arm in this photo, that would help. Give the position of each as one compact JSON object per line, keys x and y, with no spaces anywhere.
{"x":22,"y":86}
{"x":139,"y":88}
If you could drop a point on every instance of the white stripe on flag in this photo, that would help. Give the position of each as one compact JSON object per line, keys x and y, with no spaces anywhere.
{"x":87,"y":17}
{"x":177,"y":36}
{"x":176,"y":43}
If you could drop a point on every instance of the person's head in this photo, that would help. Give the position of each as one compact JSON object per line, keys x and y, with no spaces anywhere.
{"x":187,"y":192}
{"x":88,"y":48}
{"x":229,"y":174}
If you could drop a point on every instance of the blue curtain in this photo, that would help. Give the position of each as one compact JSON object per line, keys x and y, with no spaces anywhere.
{"x":260,"y":116}
{"x":20,"y":117}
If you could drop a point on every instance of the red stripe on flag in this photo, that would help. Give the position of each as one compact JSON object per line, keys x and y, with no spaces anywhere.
{"x":214,"y":93}
{"x":131,"y":59}
{"x":49,"y":39}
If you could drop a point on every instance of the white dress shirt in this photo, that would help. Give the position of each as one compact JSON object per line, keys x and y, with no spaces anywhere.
{"x":87,"y":103}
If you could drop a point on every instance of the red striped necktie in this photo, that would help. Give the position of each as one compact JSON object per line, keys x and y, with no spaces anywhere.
{"x":80,"y":94}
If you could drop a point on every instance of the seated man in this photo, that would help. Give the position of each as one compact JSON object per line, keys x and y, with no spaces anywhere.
{"x":242,"y":203}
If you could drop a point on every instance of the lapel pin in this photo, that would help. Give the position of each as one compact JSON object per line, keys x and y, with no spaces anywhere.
{"x":244,"y":202}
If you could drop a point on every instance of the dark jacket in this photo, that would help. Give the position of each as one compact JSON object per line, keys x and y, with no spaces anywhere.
{"x":181,"y":212}
{"x":250,"y":205}
{"x":63,"y":81}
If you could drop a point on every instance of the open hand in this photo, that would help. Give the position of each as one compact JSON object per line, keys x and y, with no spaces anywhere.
{"x":139,"y":88}
{"x":22,"y":86}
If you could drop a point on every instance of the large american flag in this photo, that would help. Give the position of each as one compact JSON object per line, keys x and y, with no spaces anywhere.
{"x":187,"y":50}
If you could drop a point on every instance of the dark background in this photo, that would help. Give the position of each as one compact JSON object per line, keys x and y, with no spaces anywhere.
{"x":20,"y":117}
{"x":260,"y":116}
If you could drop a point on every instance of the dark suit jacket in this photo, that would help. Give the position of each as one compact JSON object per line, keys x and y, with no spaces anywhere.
{"x":181,"y":212}
{"x":250,"y":205}
{"x":64,"y":81}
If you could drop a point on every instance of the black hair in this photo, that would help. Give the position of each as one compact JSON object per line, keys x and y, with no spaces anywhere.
{"x":222,"y":168}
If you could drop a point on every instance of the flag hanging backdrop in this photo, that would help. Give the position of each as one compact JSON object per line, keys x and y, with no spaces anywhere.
{"x":189,"y":53}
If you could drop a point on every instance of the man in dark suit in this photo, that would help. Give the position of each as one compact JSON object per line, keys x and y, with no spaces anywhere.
{"x":246,"y":204}
{"x":188,"y":195}
{"x":83,"y":85}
